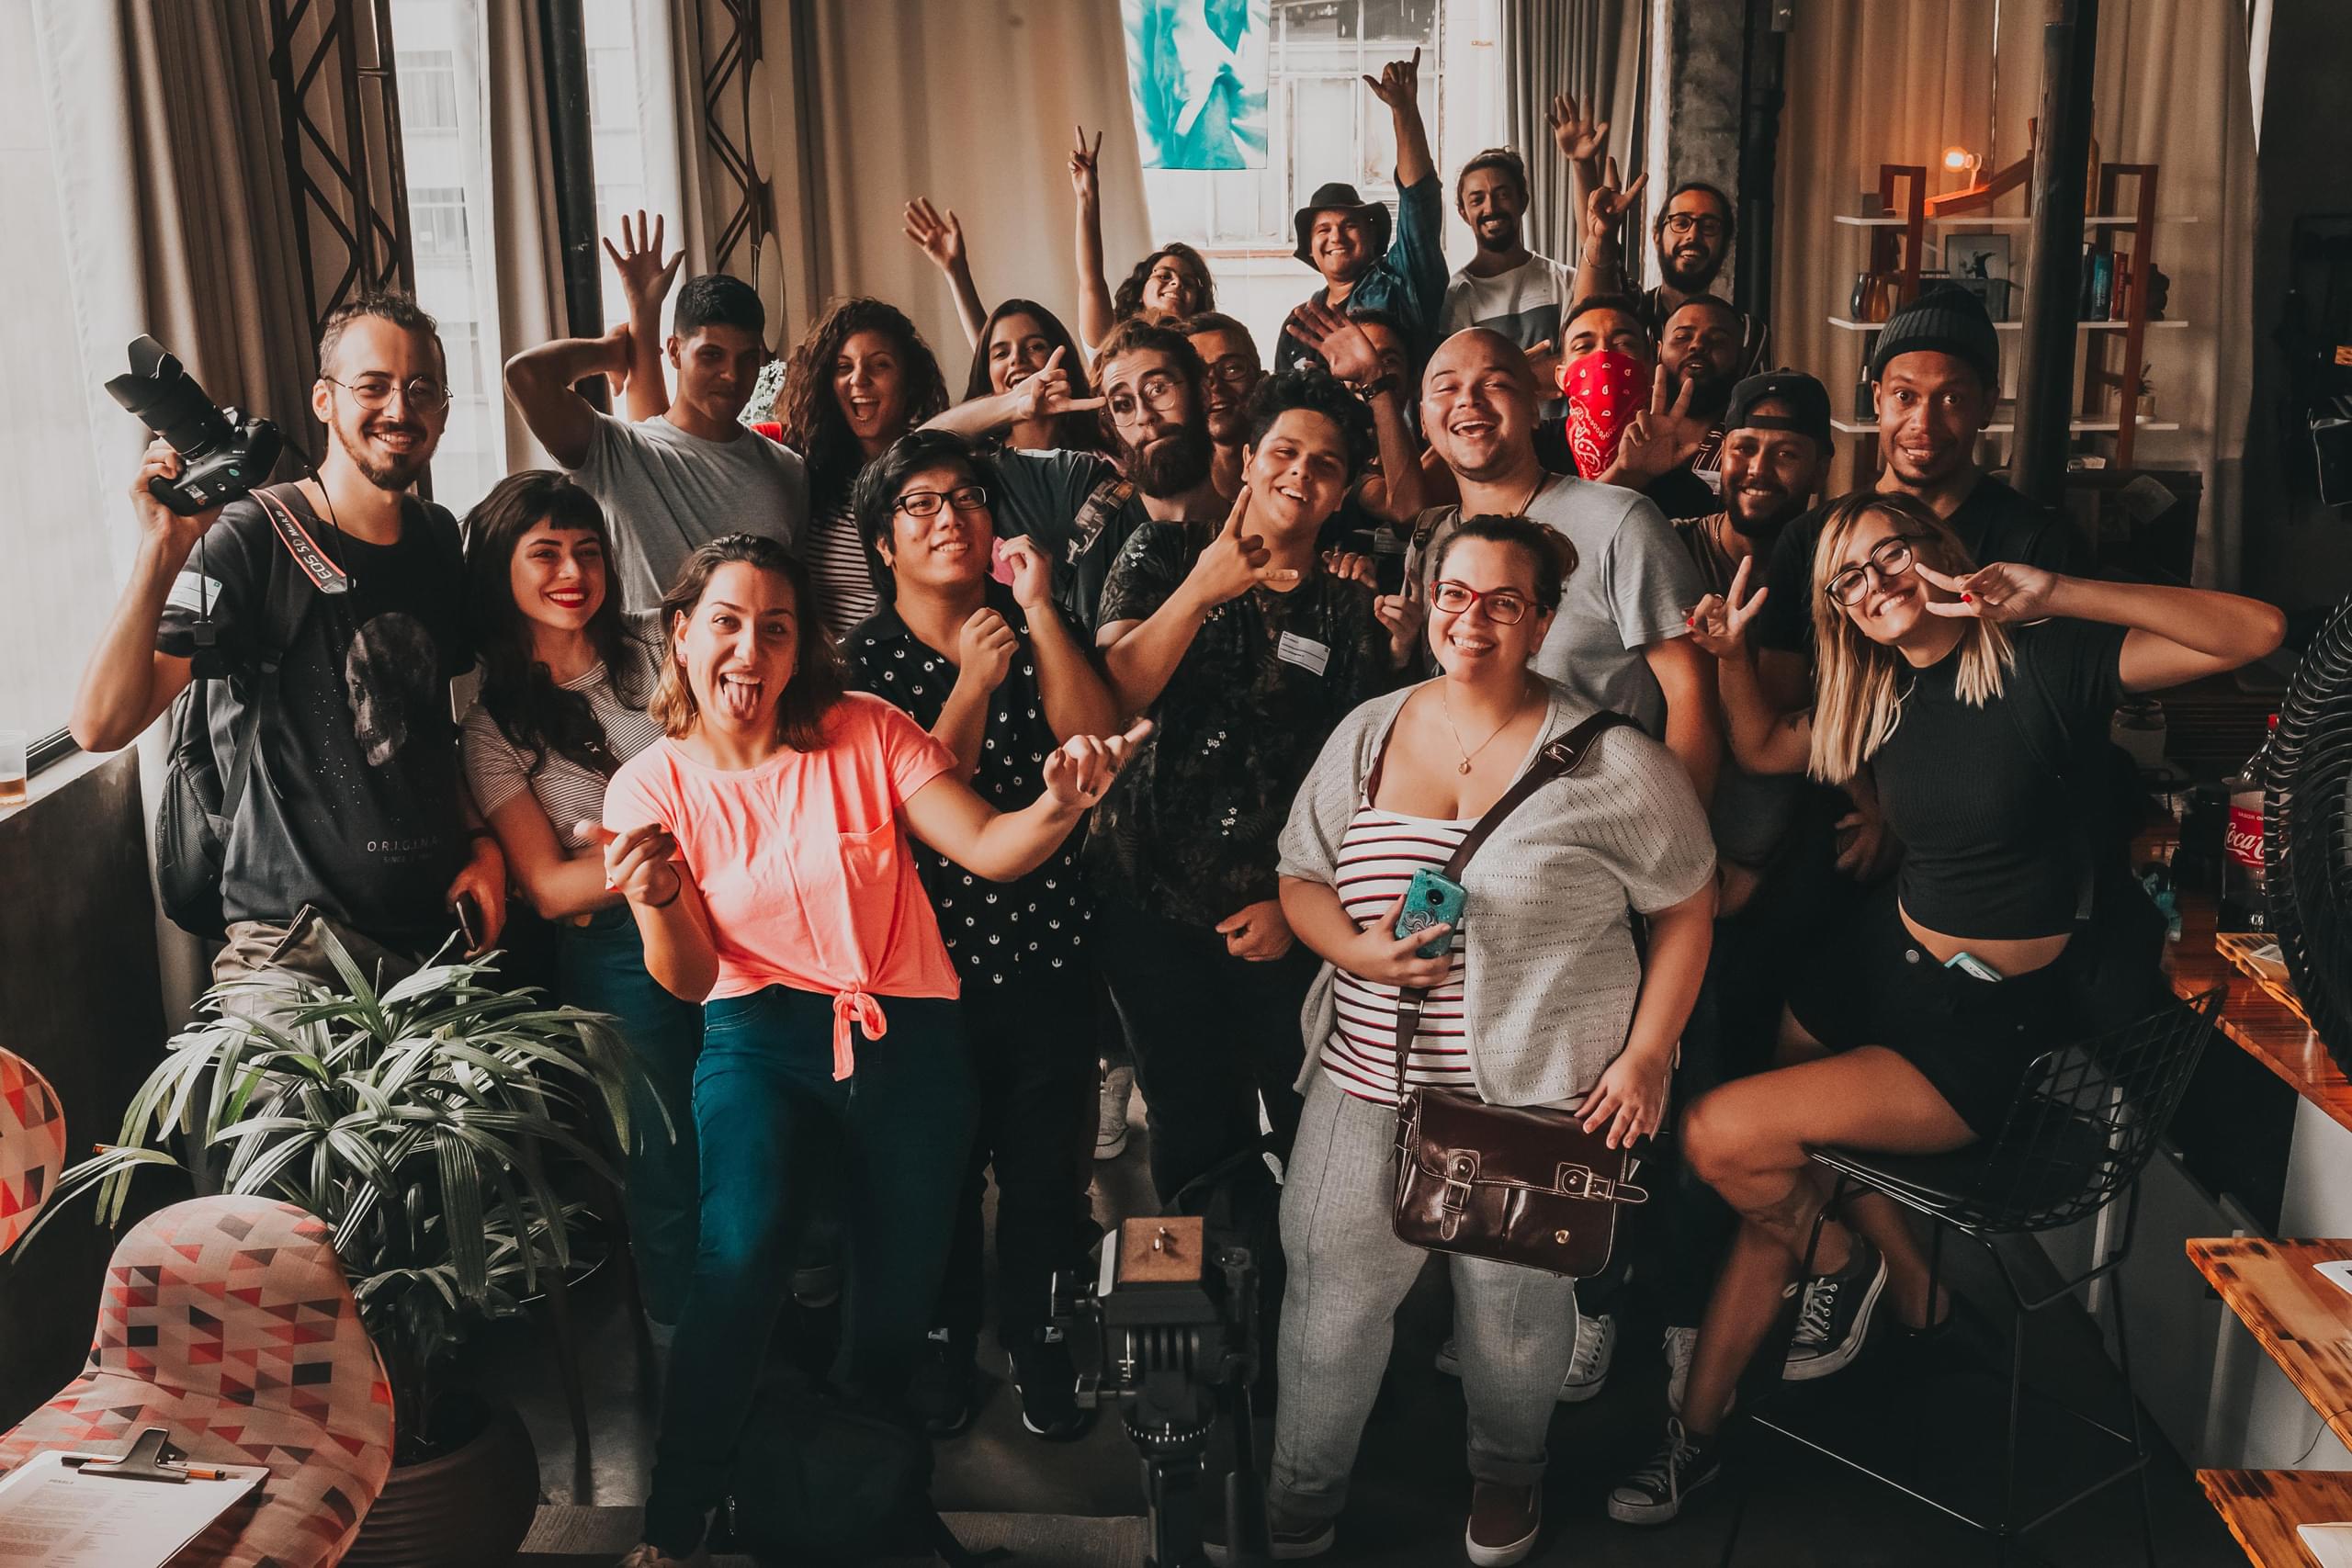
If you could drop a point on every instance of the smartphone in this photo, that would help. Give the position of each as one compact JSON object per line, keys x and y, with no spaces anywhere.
{"x":469,"y":913}
{"x":1432,"y":899}
{"x":1973,"y":966}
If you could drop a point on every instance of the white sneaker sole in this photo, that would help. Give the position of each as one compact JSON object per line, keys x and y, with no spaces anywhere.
{"x":1112,"y":1149}
{"x":1502,"y":1556}
{"x":1642,"y":1511}
{"x":1835,"y":1360}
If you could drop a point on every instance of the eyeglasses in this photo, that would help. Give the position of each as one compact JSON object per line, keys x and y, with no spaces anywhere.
{"x":927,"y":503}
{"x":372,"y":392}
{"x":1233,"y":373}
{"x":1504,"y":607}
{"x":1891,"y":558}
{"x":1159,"y":388}
{"x":1681,"y":223}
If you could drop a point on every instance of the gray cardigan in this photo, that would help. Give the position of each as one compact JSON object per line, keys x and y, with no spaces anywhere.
{"x":1550,"y":974}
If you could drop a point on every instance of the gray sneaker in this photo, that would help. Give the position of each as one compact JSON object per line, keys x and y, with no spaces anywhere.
{"x":1111,"y":1115}
{"x":1833,"y":1316}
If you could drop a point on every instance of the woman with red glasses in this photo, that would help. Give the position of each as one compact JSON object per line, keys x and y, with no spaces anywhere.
{"x":1540,"y":998}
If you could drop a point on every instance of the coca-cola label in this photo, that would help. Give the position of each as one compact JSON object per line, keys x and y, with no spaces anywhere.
{"x":2242,"y":840}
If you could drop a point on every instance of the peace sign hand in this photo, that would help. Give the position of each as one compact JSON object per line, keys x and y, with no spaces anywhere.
{"x":1399,"y":83}
{"x":1046,"y":393}
{"x":1084,"y":166}
{"x":1579,"y":138}
{"x":1719,"y":624}
{"x":1606,"y":206}
{"x":2004,"y":591}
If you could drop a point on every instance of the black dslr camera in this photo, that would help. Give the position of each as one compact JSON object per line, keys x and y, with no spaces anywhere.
{"x":1167,"y":1333}
{"x":222,"y":454}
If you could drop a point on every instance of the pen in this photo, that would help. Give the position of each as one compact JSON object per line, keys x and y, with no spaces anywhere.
{"x":193,"y":1472}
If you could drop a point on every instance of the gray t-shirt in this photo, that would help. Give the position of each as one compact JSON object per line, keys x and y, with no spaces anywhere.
{"x":1633,"y":585}
{"x":664,"y":493}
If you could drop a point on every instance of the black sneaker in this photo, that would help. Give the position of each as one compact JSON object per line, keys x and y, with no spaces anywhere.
{"x":1047,"y":1381}
{"x":1834,"y":1315}
{"x":944,"y":1389}
{"x":1654,"y":1494}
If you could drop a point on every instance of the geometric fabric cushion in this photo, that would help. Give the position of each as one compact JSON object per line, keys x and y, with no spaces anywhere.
{"x":32,"y":1144}
{"x":228,"y":1321}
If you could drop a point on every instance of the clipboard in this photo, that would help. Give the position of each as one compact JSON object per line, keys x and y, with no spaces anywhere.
{"x":137,"y":1509}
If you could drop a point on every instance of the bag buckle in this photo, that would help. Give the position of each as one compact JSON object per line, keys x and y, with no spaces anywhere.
{"x":1572,"y":1180}
{"x":1460,"y":1171}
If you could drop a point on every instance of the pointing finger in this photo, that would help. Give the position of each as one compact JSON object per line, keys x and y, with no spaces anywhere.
{"x":1953,"y":583}
{"x":1240,"y":510}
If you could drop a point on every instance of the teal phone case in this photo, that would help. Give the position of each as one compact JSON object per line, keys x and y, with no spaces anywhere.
{"x":1431,"y":900}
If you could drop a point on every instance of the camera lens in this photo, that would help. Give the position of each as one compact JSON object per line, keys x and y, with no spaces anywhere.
{"x":162,"y":392}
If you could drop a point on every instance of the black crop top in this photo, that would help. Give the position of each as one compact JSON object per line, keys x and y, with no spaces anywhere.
{"x":1990,"y":802}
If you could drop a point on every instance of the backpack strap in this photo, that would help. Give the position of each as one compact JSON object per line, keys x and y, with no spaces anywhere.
{"x":284,"y":603}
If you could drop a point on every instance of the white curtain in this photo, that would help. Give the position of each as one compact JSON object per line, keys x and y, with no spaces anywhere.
{"x":1591,"y":50}
{"x":1914,"y":79}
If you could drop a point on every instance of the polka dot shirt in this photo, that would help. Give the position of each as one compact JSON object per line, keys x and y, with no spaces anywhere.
{"x":995,"y":930}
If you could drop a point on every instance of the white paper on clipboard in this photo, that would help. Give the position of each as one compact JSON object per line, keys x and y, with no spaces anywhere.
{"x":63,"y":1518}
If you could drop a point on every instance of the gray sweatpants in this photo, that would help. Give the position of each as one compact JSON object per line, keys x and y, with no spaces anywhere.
{"x":1514,"y":1328}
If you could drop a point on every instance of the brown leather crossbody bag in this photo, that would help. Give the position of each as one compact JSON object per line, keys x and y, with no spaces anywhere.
{"x":1526,"y":1186}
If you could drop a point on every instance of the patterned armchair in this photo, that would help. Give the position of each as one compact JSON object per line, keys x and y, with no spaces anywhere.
{"x":32,"y":1144}
{"x":227,"y":1322}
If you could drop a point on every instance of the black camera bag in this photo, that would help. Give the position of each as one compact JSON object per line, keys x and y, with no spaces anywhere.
{"x":198,"y":802}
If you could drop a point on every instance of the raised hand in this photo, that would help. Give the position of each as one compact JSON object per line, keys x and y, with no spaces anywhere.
{"x":645,"y":276}
{"x":1084,"y":165}
{"x":1719,"y":623}
{"x":1404,"y":615}
{"x":1656,"y":439}
{"x":1046,"y":393}
{"x":984,"y":650}
{"x":1577,"y":137}
{"x":941,"y":239}
{"x":1345,"y":347}
{"x":1380,"y":956}
{"x":1082,"y":767}
{"x":1234,"y":562}
{"x":1033,"y":574}
{"x":2004,"y":592}
{"x":1399,"y":83}
{"x":1606,"y":206}
{"x":159,"y":521}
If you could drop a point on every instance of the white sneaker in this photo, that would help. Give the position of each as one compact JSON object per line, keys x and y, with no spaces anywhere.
{"x":1588,"y":1364}
{"x":1681,"y":1344}
{"x":1111,"y":1116}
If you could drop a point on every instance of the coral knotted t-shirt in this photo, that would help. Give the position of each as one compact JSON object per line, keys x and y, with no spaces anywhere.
{"x":804,"y":864}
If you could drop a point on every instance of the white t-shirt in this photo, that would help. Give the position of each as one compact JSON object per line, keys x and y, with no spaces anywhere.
{"x":665,"y":492}
{"x":1524,"y":304}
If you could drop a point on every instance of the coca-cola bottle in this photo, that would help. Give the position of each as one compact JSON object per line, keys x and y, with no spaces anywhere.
{"x":2245,"y":906}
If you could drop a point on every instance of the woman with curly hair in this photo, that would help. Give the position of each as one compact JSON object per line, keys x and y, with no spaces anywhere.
{"x":1168,"y":285}
{"x":862,"y":377}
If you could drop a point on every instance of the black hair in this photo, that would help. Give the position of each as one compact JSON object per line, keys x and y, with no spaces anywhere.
{"x":1545,"y":547}
{"x":388,"y":305}
{"x":1128,"y":300}
{"x":1312,"y":388}
{"x":1502,"y":158}
{"x":817,"y":683}
{"x":533,"y":712}
{"x":1217,"y":322}
{"x":716,"y":299}
{"x":1625,"y":304}
{"x":813,"y":423}
{"x":1731,"y":213}
{"x":1709,"y":302}
{"x":875,"y":498}
{"x":1079,"y":432}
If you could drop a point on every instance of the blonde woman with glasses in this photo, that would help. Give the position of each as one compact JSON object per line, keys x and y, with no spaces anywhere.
{"x":1980,"y":701}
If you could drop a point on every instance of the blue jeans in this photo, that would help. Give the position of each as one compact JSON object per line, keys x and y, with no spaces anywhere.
{"x":601,"y":966}
{"x":904,"y":1123}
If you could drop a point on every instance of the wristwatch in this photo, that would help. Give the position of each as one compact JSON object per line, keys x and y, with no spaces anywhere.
{"x":1388,"y":383}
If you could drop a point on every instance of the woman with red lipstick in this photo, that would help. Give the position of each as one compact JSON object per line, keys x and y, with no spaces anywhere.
{"x":763,"y":845}
{"x":1980,"y":699}
{"x":1540,"y":999}
{"x":565,"y":682}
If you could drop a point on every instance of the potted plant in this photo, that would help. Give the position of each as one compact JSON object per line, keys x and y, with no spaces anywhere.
{"x":414,"y":1120}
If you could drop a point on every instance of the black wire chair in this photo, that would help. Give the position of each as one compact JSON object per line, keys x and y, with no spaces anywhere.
{"x":2086,"y":1119}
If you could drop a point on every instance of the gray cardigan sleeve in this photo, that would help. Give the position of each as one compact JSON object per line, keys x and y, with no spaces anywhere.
{"x":1309,"y":848}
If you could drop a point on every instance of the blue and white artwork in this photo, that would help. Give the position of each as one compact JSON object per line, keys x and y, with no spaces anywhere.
{"x":1196,"y":70}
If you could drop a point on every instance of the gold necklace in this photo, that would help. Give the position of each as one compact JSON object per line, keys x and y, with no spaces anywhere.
{"x":1470,"y":754}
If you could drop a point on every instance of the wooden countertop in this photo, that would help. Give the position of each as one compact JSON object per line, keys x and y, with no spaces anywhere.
{"x":2301,"y":1319}
{"x":2262,"y":1024}
{"x":2262,"y":1508}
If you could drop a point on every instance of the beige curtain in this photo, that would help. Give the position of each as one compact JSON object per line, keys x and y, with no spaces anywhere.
{"x":1593,"y":51}
{"x":523,"y":264}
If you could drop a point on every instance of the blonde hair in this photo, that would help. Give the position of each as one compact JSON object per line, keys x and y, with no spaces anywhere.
{"x":1858,"y":690}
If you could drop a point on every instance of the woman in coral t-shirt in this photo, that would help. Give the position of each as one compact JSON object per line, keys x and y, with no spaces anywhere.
{"x":762,"y":847}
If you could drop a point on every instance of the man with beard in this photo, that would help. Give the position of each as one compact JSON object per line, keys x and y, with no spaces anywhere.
{"x":1692,"y":238}
{"x":1660,"y":442}
{"x":354,"y":817}
{"x":1229,"y":356}
{"x":691,"y":472}
{"x":1699,"y":355}
{"x":1346,"y":239}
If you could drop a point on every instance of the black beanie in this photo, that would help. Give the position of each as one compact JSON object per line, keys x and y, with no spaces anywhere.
{"x":1947,"y":319}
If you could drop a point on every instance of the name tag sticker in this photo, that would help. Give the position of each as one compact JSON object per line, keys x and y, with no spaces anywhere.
{"x":194,"y":592}
{"x":1303,"y":651}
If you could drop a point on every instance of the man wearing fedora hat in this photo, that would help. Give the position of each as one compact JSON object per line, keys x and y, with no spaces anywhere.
{"x":1349,"y":240}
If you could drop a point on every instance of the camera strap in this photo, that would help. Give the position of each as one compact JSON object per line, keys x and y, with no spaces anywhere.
{"x":316,"y":564}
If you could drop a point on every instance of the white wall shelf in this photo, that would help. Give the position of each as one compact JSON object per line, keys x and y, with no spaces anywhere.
{"x":2079,"y":426}
{"x":1843,"y":325}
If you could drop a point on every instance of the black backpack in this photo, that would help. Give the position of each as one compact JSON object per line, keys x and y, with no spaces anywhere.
{"x":823,"y":1477}
{"x":198,"y":801}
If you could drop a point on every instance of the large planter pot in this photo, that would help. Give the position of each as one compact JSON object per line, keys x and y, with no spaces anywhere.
{"x":469,"y":1508}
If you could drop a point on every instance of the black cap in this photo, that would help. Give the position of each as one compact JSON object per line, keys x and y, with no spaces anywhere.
{"x":1947,"y":319}
{"x":1807,"y":398}
{"x":1337,"y":197}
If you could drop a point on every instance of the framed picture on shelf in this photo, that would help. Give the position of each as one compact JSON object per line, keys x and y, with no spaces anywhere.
{"x":1979,"y":262}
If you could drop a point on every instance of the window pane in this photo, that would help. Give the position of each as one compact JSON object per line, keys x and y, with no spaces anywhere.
{"x":428,"y":88}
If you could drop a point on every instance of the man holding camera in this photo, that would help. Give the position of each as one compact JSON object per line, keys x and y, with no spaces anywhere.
{"x":338,"y":659}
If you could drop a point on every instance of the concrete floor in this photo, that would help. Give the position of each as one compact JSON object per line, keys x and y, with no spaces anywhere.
{"x":1794,"y":1509}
